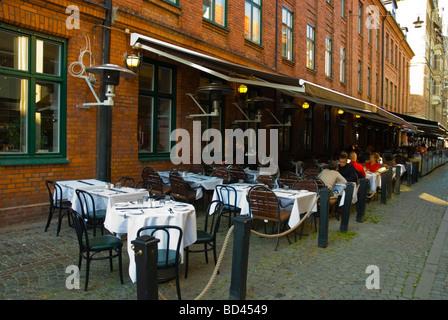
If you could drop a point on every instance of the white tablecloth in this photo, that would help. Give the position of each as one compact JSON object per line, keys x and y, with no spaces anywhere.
{"x":126,"y":218}
{"x":194,"y":180}
{"x":340,"y":188}
{"x":299,"y":201}
{"x":375,"y":180}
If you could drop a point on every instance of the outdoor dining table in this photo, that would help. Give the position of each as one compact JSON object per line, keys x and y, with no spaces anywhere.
{"x":252,"y":174}
{"x":339,"y":188}
{"x":374,"y":179}
{"x":196,"y":181}
{"x":103,"y":197}
{"x":298,"y":201}
{"x":128,"y":217}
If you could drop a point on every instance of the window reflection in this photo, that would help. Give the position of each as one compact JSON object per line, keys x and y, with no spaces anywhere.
{"x":47,"y":57}
{"x":47,"y":117}
{"x":13,"y":112}
{"x":13,"y":51}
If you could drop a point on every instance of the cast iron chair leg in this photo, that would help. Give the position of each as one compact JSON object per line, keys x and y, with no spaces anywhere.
{"x":186,"y":261}
{"x":50,"y":216}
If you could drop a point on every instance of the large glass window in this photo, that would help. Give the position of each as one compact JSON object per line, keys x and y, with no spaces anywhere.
{"x":156,"y":107}
{"x":310,"y":46}
{"x":287,"y":34}
{"x":32,"y":98}
{"x":252,"y":21}
{"x":215,"y":11}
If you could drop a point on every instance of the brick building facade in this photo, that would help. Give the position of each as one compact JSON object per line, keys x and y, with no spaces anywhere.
{"x":326,"y":38}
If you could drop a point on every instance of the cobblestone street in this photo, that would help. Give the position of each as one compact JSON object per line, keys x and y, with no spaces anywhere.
{"x":405,"y":238}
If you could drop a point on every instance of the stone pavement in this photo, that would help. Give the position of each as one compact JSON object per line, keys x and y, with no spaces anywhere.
{"x":404,"y":240}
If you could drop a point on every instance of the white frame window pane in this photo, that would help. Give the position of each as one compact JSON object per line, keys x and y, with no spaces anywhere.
{"x":287,"y":33}
{"x":146,"y":77}
{"x":13,"y":115}
{"x":47,"y":117}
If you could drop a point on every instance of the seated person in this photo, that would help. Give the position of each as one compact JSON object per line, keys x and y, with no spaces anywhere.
{"x":373,"y":164}
{"x":389,"y":159}
{"x":347,"y":170}
{"x":330,"y":176}
{"x":357,"y":165}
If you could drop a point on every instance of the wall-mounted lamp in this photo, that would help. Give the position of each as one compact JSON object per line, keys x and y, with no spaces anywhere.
{"x":132,"y":62}
{"x":242,"y":89}
{"x":418,"y":23}
{"x":357,"y":116}
{"x":340,"y":111}
{"x":305,"y":105}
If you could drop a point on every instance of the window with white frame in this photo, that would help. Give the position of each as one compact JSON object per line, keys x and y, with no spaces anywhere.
{"x":215,"y":11}
{"x":342,"y":65}
{"x":328,"y":57}
{"x":287,"y":34}
{"x":252,"y":21}
{"x":310,"y":47}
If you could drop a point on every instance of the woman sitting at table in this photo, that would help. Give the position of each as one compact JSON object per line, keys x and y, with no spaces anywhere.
{"x":330,"y":176}
{"x":373,"y":165}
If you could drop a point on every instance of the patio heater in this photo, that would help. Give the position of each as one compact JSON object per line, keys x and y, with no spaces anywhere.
{"x":111,"y":74}
{"x":216,"y":91}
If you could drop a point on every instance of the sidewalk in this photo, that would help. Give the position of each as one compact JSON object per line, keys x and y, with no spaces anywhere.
{"x":405,"y":239}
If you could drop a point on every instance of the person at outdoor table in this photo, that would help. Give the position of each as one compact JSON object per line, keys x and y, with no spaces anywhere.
{"x":347,"y":170}
{"x":354,"y":162}
{"x":373,"y":164}
{"x":330,"y":176}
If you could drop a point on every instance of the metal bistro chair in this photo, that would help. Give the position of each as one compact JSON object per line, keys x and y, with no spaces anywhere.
{"x":92,"y":216}
{"x":151,"y":176}
{"x":225,"y":194}
{"x":264,"y":206}
{"x":207,"y":236}
{"x":236,"y":173}
{"x":56,"y":202}
{"x":267,"y":180}
{"x":221,"y":172}
{"x":181,"y":190}
{"x":197,"y":168}
{"x":170,"y":256}
{"x":287,"y":178}
{"x":89,"y":247}
{"x":126,"y":182}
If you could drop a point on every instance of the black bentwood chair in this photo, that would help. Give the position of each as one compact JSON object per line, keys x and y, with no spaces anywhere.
{"x":168,"y":262}
{"x":207,"y":236}
{"x":90,"y":247}
{"x":56,"y":202}
{"x":93,"y":217}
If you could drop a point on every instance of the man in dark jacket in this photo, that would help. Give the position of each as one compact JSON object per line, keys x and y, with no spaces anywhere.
{"x":347,"y":170}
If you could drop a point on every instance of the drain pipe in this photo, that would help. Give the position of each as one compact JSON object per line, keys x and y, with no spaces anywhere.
{"x":104,"y":114}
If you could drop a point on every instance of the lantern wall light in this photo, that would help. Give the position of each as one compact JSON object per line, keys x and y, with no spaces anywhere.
{"x":132,"y":62}
{"x":305,"y":105}
{"x":340,"y":111}
{"x":242,"y":89}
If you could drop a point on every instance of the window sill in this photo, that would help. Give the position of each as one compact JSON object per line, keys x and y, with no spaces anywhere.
{"x":22,"y":161}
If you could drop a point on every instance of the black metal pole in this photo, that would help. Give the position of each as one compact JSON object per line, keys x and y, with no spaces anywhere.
{"x":240,"y":257}
{"x":409,"y":173}
{"x":104,"y":114}
{"x":389,"y":176}
{"x":383,"y":176}
{"x":322,"y":240}
{"x":347,"y":206}
{"x":362,"y":198}
{"x":397,"y":179}
{"x":146,"y":256}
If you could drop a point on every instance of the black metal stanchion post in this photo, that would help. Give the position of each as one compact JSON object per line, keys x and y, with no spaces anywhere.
{"x":323,"y":217}
{"x":347,"y":206}
{"x":409,"y":173}
{"x":397,"y":179}
{"x":146,"y":256}
{"x":362,"y":198}
{"x":240,"y":257}
{"x":389,"y":177}
{"x":383,"y":187}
